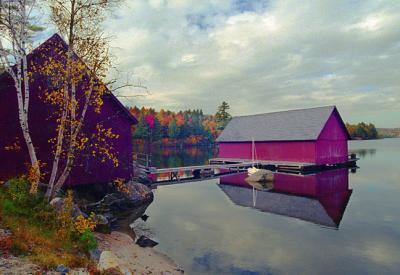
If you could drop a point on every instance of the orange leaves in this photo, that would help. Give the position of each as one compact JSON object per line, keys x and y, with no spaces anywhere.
{"x":83,"y":224}
{"x":211,"y":126}
{"x":180,"y":120}
{"x":121,"y":186}
{"x":34,"y":177}
{"x":192,"y":140}
{"x":65,"y":216}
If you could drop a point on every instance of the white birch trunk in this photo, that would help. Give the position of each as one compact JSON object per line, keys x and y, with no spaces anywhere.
{"x":17,"y":27}
{"x":59,"y":144}
{"x":71,"y":157}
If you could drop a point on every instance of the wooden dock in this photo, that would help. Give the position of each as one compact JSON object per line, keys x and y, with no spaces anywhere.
{"x":287,"y":166}
{"x":193,"y":172}
{"x":218,"y":167}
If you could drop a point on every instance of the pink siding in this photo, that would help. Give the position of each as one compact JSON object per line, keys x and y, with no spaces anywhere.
{"x":331,"y":188}
{"x":329,"y":148}
{"x":331,"y":145}
{"x":321,"y":185}
{"x":295,"y":151}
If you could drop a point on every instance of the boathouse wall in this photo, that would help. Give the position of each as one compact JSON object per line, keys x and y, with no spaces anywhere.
{"x":294,"y":151}
{"x":331,"y":145}
{"x":88,"y":169}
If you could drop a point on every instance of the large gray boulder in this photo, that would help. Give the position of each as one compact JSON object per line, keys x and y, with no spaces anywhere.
{"x":58,"y":204}
{"x":137,"y":194}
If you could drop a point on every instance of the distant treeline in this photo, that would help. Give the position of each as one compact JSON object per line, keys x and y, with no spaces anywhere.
{"x":389,"y":132}
{"x":190,"y":127}
{"x":362,"y":131}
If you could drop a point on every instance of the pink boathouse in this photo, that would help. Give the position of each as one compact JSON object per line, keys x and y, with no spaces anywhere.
{"x":315,"y":136}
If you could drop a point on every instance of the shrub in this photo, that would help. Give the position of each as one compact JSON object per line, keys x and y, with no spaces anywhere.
{"x":88,"y":240}
{"x":66,"y":222}
{"x":12,"y":208}
{"x":40,"y":232}
{"x":18,"y":189}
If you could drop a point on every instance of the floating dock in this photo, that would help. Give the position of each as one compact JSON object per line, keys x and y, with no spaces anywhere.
{"x":218,"y":167}
{"x":287,"y":166}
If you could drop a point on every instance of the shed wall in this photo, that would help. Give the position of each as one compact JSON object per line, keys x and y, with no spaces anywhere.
{"x":12,"y":163}
{"x":87,"y":168}
{"x":331,"y":146}
{"x":294,"y":151}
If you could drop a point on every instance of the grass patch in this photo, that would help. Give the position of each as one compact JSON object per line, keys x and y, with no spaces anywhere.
{"x":39,"y":232}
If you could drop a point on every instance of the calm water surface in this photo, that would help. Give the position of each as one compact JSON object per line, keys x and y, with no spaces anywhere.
{"x":331,"y":223}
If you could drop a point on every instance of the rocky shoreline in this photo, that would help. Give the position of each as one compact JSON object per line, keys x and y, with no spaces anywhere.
{"x":118,"y":255}
{"x":117,"y":252}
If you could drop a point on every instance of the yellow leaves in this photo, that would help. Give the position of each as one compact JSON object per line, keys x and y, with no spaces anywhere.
{"x":34,"y":177}
{"x":82,"y":224}
{"x":65,"y":216}
{"x":58,"y":71}
{"x":102,"y":145}
{"x":121,"y":186}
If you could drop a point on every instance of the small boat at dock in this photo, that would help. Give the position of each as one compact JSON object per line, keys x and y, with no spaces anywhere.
{"x":253,"y":169}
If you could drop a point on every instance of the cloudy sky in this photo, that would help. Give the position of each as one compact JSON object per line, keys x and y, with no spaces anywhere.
{"x":263,"y":56}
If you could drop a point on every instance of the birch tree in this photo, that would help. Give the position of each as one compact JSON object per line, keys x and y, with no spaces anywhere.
{"x":16,"y":29}
{"x":79,"y":22}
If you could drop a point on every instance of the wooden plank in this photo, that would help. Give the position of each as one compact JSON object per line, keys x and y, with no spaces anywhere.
{"x":201,"y":167}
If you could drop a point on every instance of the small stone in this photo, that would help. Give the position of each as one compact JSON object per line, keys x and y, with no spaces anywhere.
{"x":100,"y":219}
{"x":57,"y":203}
{"x":95,"y":254}
{"x":144,"y":217}
{"x":143,"y":241}
{"x":62,"y":269}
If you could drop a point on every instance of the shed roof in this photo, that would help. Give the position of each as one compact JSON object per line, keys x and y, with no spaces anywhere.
{"x":304,"y":208}
{"x":56,"y":39}
{"x":302,"y":124}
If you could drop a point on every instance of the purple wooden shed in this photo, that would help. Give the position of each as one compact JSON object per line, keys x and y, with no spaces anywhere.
{"x":87,"y":169}
{"x":314,"y":136}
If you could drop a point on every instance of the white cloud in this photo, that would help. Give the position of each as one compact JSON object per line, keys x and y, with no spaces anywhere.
{"x":370,"y":23}
{"x":264,"y":57}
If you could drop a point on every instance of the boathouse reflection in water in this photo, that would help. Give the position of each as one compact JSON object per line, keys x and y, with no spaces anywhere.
{"x":319,"y":198}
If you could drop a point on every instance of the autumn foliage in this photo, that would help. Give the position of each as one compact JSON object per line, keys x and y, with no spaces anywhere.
{"x":362,"y":131}
{"x":190,"y":127}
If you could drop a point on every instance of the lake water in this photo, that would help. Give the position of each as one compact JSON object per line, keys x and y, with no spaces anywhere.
{"x":166,"y":157}
{"x":335,"y":222}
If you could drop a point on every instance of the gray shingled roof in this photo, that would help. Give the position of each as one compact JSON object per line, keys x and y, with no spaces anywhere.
{"x":303,"y":208}
{"x":303,"y":124}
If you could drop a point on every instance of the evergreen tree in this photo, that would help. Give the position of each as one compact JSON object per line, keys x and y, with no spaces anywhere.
{"x":172,"y":129}
{"x":156,"y":131}
{"x":141,"y":130}
{"x":222,"y":116}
